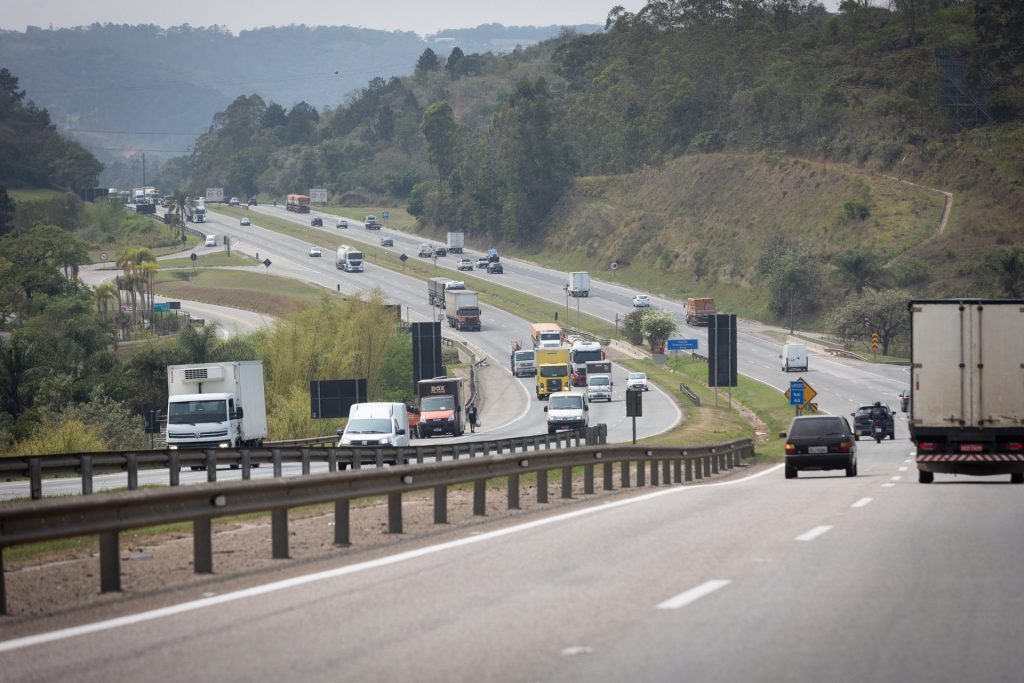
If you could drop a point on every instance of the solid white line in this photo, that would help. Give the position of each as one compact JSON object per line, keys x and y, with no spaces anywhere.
{"x":128,"y":620}
{"x":896,"y":478}
{"x":813,"y":533}
{"x":694,"y":594}
{"x":888,"y":486}
{"x":862,"y":502}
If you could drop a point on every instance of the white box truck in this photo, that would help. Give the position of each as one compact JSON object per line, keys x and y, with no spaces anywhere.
{"x":967,"y":387}
{"x":599,"y":380}
{"x":456,"y":242}
{"x":579,"y":283}
{"x":216,"y":405}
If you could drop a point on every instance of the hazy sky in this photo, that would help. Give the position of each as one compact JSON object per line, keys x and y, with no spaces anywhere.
{"x":421,"y":16}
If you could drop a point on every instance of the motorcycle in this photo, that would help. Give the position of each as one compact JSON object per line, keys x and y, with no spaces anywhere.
{"x":878,"y":431}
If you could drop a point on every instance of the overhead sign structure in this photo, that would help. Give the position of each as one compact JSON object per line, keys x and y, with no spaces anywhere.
{"x":682,"y":345}
{"x":318,"y":196}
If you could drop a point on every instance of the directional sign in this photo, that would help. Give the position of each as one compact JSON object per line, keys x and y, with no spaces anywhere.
{"x":384,"y":215}
{"x":796,"y":393}
{"x":403,"y":258}
{"x":682,"y":345}
{"x":266,"y":262}
{"x":193,"y":256}
{"x":874,"y":341}
{"x":162,"y":307}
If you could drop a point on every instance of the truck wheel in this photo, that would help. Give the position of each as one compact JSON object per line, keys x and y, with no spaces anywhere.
{"x":790,"y":472}
{"x":1017,"y":478}
{"x":925,"y":477}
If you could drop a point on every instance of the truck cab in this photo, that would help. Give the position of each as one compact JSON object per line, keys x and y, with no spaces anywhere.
{"x":205,"y":405}
{"x":524,"y":363}
{"x":552,"y":371}
{"x":440,"y":407}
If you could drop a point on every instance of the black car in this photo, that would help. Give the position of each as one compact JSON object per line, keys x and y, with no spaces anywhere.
{"x":440,"y":251}
{"x":387,"y":242}
{"x":863,"y":424}
{"x":495,"y":268}
{"x":317,"y":222}
{"x":820,"y":442}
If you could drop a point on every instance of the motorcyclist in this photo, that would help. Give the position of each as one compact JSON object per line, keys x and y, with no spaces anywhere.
{"x":878,"y":418}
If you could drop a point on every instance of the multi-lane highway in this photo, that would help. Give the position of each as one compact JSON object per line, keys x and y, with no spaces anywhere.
{"x":822,"y":578}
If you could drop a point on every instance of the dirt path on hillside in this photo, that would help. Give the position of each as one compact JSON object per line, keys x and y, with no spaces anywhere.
{"x":947,"y":209}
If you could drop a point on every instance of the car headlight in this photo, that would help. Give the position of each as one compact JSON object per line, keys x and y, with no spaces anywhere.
{"x":451,"y":418}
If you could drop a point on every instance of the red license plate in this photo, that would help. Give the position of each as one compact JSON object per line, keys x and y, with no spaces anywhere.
{"x":971,"y":448}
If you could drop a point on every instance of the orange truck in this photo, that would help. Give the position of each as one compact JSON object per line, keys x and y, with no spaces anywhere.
{"x":699,"y":311}
{"x":440,"y":407}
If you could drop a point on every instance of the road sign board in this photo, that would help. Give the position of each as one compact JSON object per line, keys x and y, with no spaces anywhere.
{"x":384,"y":215}
{"x":874,"y":341}
{"x":403,"y":258}
{"x":682,"y":345}
{"x":161,"y":307}
{"x":266,"y":262}
{"x":193,"y":256}
{"x":796,"y":393}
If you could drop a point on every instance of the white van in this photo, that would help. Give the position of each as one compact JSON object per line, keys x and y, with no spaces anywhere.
{"x":376,"y":424}
{"x":566,"y":410}
{"x":211,"y":241}
{"x":794,"y":357}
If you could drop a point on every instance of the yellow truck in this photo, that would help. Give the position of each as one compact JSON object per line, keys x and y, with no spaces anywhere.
{"x":552,"y":371}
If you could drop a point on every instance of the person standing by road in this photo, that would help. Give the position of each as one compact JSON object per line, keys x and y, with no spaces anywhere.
{"x":471,"y":417}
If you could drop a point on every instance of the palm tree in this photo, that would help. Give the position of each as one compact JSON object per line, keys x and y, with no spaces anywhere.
{"x":104,"y":292}
{"x":858,"y":270}
{"x":131,"y":260}
{"x":180,"y":206}
{"x":199,"y":344}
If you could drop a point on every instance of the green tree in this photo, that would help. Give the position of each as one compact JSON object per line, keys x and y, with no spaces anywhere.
{"x":199,"y":344}
{"x":1008,"y":267}
{"x":427,"y":62}
{"x":883,"y":312}
{"x":657,"y":327}
{"x":6,"y":212}
{"x":633,"y":327}
{"x":858,"y":269}
{"x":439,"y":130}
{"x":792,"y":277}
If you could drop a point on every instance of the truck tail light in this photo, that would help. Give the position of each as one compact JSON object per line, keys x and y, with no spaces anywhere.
{"x":927,"y":446}
{"x":1015,"y":446}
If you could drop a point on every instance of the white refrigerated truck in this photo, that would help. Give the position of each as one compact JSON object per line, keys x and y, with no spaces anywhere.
{"x":967,"y":387}
{"x":216,"y":405}
{"x":579,"y":283}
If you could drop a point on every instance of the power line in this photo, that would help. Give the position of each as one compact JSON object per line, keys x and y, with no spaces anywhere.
{"x":130,"y":132}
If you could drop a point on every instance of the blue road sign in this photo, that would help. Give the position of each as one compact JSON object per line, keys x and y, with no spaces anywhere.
{"x":162,"y":307}
{"x":385,"y":215}
{"x":682,"y":345}
{"x":796,"y":393}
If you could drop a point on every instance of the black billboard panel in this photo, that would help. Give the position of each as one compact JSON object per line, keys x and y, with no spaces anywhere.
{"x":722,"y":350}
{"x":426,"y":352}
{"x":331,"y":398}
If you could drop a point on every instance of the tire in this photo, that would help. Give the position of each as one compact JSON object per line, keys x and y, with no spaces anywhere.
{"x":925,"y":477}
{"x":791,"y":472}
{"x":851,"y":469}
{"x":892,"y":436}
{"x":1017,"y":478}
{"x":856,"y":437}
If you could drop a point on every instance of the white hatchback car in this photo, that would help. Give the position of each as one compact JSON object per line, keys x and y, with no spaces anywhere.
{"x":636,"y":381}
{"x":641,"y":301}
{"x":315,"y":251}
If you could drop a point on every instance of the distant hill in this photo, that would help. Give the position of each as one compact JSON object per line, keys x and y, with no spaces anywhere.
{"x":121,"y":89}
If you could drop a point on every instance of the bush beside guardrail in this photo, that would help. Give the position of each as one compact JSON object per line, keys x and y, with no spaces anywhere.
{"x":108,"y":515}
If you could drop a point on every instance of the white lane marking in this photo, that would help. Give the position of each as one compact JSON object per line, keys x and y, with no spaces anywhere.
{"x":888,"y":486}
{"x":862,"y":502}
{"x":813,"y":533}
{"x":896,"y":478}
{"x":131,"y":619}
{"x":694,"y":594}
{"x":903,"y":469}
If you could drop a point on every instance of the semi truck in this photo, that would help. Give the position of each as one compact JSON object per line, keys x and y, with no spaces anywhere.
{"x":216,"y":405}
{"x":440,"y":407}
{"x":197,"y":213}
{"x":462,"y":309}
{"x":546,"y":335}
{"x":436,"y":288}
{"x":599,"y":380}
{"x":579,"y":283}
{"x":299,"y":203}
{"x":349,"y":259}
{"x":580,"y":353}
{"x":552,"y":371}
{"x":456,"y":242}
{"x":966,"y":400}
{"x":699,"y":311}
{"x":523,"y":362}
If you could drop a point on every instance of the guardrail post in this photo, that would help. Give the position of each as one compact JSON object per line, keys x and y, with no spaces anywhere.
{"x":332,"y":460}
{"x":35,"y":478}
{"x":85,"y":467}
{"x":588,"y":479}
{"x":706,"y":464}
{"x":394,"y":513}
{"x":378,"y":454}
{"x":513,"y":492}
{"x":624,"y":465}
{"x":341,"y":522}
{"x":305,"y":461}
{"x":714,"y":462}
{"x":480,"y":497}
{"x":202,"y":545}
{"x":3,"y":589}
{"x":666,"y":472}
{"x":132,"y":464}
{"x":542,"y":486}
{"x":246,"y":464}
{"x":566,"y":482}
{"x":441,"y":504}
{"x":654,"y":472}
{"x":547,"y":442}
{"x":608,"y":475}
{"x":688,"y":464}
{"x":174,"y":468}
{"x":279,"y":533}
{"x":211,"y":465}
{"x":357,"y":460}
{"x":275,"y":455}
{"x":110,"y":563}
{"x":498,"y":444}
{"x":578,"y":436}
{"x":641,"y":473}
{"x":677,"y":467}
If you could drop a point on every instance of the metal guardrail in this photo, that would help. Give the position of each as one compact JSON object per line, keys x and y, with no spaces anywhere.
{"x":689,"y":394}
{"x":108,"y":515}
{"x":34,"y":467}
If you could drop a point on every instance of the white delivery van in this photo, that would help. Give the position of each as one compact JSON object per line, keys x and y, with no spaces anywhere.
{"x":566,"y":410}
{"x":376,"y":424}
{"x":794,"y":357}
{"x":211,"y":241}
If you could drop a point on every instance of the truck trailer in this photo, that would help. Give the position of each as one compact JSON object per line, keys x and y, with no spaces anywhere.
{"x":462,"y":309}
{"x":967,"y":387}
{"x":699,"y":311}
{"x":579,"y":283}
{"x":456,"y":242}
{"x":436,"y":288}
{"x":216,"y":405}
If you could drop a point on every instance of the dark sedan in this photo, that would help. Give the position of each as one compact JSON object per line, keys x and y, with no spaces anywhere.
{"x":495,"y":268}
{"x":820,"y":442}
{"x":863,"y":424}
